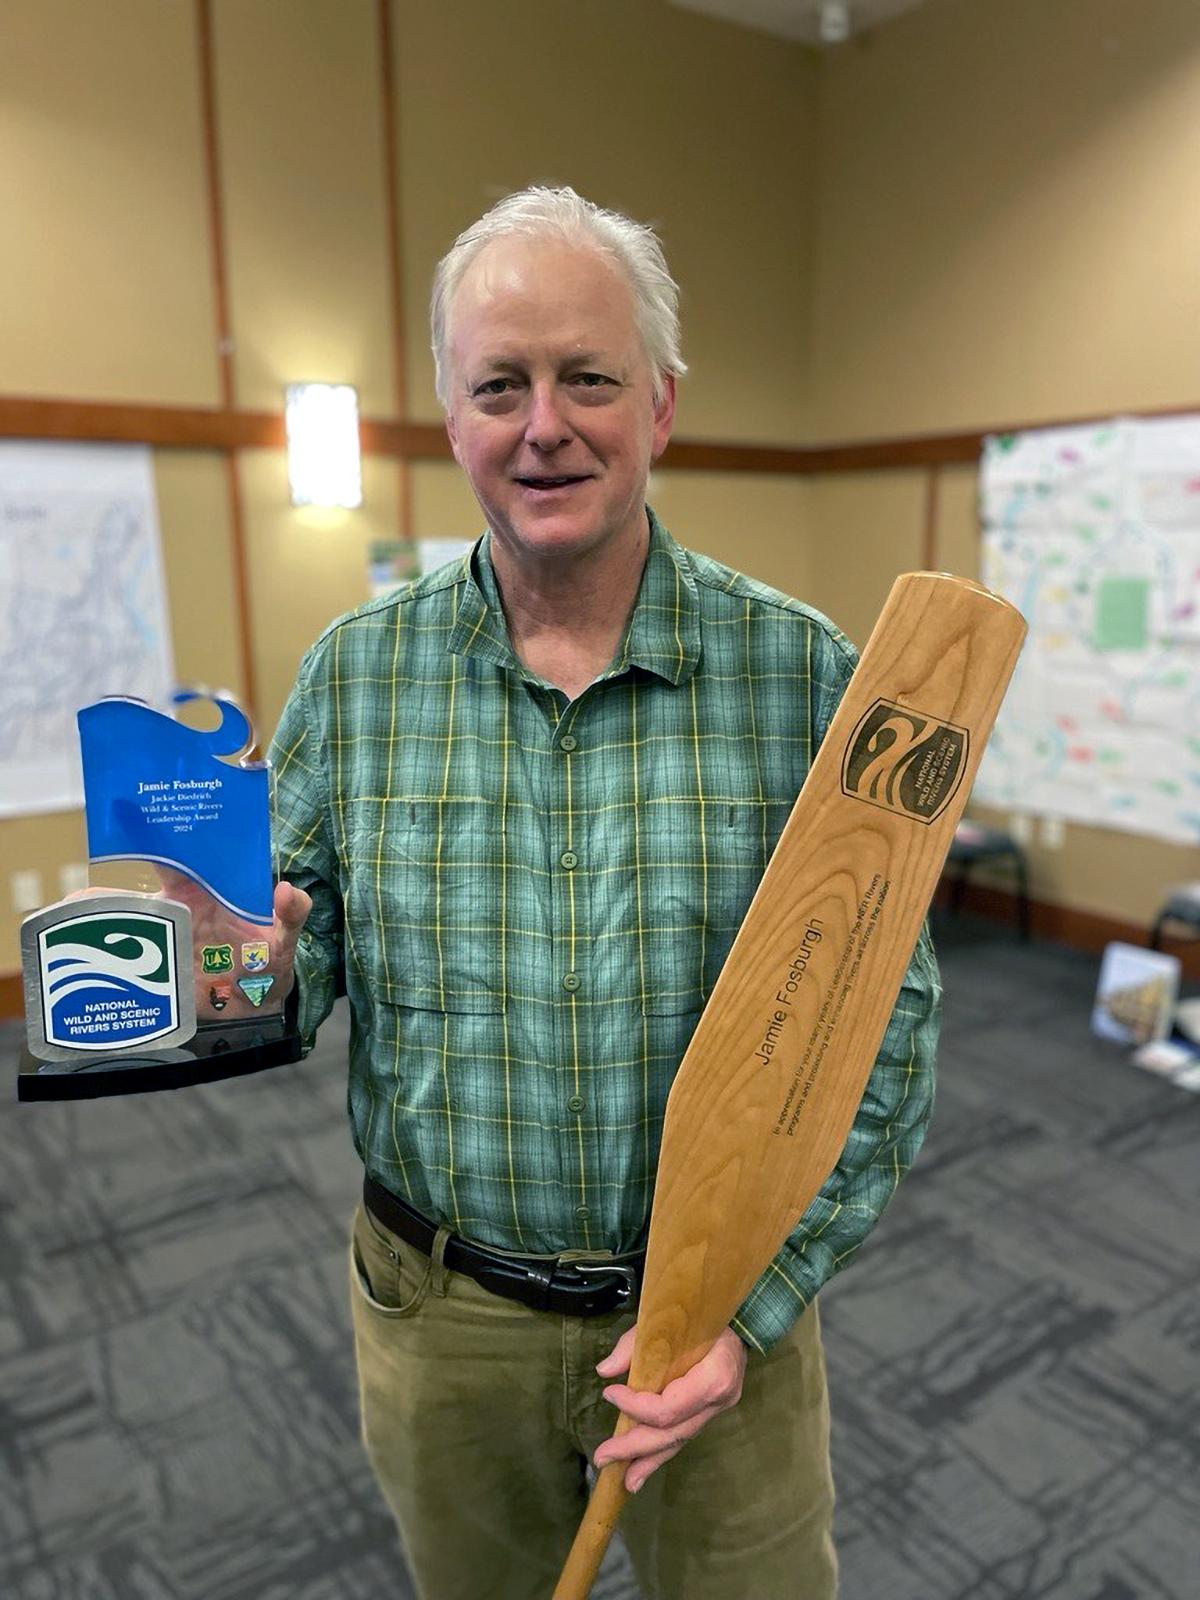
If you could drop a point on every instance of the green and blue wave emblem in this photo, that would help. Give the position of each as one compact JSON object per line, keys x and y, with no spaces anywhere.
{"x":109,"y":980}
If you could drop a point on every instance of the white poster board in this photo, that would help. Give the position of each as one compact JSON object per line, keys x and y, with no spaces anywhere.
{"x":83,"y":610}
{"x":1094,"y":534}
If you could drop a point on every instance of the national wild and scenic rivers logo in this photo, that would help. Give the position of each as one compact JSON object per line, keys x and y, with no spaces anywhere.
{"x":904,"y":761}
{"x":108,"y":978}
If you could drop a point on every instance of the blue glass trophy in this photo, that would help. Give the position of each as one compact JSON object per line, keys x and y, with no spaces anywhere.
{"x":158,"y":987}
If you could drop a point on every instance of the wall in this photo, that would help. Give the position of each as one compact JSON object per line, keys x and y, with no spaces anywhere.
{"x":1007,"y":225}
{"x":106,"y":288}
{"x":1008,"y":216}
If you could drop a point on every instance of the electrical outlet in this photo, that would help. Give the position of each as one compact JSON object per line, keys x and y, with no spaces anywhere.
{"x":26,"y":888}
{"x":72,"y":878}
{"x":1020,"y":825}
{"x":1052,"y":833}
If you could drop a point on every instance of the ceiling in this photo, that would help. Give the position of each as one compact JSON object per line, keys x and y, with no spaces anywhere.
{"x":797,"y":20}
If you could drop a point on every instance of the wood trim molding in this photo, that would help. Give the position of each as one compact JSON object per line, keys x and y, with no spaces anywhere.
{"x":12,"y":996}
{"x":224,"y":341}
{"x":701,"y":455}
{"x":877,"y":455}
{"x":213,"y":199}
{"x":229,"y":428}
{"x":949,"y":449}
{"x":119,"y":421}
{"x":395,"y":262}
{"x":407,"y":441}
{"x":1080,"y":930}
{"x":929,"y":536}
{"x":391,"y":202}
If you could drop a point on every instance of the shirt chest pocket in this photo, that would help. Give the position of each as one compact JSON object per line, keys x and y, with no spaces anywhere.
{"x":424,"y":876}
{"x":699,"y":874}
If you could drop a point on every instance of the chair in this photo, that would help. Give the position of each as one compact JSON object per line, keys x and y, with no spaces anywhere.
{"x":1182,"y":906}
{"x":974,"y":843}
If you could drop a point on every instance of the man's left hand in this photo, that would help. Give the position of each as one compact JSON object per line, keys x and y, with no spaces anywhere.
{"x":663,"y":1423}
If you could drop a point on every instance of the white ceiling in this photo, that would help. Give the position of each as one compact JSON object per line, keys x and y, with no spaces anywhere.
{"x":797,"y":20}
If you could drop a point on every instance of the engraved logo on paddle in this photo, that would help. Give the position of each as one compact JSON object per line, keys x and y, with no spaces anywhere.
{"x":904,"y":761}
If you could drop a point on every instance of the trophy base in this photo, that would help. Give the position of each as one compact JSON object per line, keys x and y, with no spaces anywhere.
{"x":216,"y":1050}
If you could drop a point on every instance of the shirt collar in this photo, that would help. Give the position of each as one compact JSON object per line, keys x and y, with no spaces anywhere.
{"x":479,"y":628}
{"x":662,"y":636}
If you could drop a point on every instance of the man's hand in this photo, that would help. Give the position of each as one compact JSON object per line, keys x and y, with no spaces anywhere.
{"x":663,"y":1423}
{"x":217,"y":931}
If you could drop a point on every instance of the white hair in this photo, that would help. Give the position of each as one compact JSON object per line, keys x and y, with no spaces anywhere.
{"x":562,"y":214}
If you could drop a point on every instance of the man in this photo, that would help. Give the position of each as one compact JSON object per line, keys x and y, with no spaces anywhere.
{"x":530,"y":797}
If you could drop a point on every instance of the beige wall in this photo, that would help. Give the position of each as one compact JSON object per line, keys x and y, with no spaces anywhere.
{"x":984,"y":212}
{"x":1007,"y":205}
{"x":701,"y":128}
{"x":104,"y":269}
{"x":302,"y":178}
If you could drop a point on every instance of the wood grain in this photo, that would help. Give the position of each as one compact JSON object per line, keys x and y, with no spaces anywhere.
{"x":768,"y":1089}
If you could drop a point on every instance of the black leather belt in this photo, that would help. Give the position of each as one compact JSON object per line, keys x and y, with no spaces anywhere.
{"x":569,"y":1288}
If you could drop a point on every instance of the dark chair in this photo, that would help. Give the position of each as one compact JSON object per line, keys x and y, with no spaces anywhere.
{"x":1182,"y":907}
{"x":974,"y":843}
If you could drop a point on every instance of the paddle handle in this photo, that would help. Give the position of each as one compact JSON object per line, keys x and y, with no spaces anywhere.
{"x":591,"y":1541}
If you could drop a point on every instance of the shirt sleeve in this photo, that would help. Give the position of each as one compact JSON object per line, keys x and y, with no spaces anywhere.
{"x":888,"y":1128}
{"x":306,"y":854}
{"x":886,"y":1135}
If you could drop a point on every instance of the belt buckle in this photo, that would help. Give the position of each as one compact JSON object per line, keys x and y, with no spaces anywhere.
{"x":605,"y":1269}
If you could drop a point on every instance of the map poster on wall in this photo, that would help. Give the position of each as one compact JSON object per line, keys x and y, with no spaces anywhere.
{"x":83,"y":609}
{"x":1094,"y":534}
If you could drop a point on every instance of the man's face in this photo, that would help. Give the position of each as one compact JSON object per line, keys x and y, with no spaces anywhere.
{"x":551,"y":412}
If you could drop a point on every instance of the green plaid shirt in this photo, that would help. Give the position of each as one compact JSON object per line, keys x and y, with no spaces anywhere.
{"x":531,"y":899}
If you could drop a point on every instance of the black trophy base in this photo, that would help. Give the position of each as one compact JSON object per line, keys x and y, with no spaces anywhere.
{"x":216,"y":1050}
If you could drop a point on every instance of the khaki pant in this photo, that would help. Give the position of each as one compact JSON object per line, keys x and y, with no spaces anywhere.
{"x":478,"y":1415}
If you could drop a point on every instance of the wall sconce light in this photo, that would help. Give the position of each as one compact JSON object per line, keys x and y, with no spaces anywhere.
{"x":324,"y":462}
{"x":834,"y":25}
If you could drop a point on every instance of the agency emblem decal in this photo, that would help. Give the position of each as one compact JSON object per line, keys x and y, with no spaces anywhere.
{"x":256,"y":955}
{"x":904,"y":761}
{"x":255,"y":989}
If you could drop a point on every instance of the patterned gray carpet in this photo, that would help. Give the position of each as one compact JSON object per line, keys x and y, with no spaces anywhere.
{"x":1013,"y":1357}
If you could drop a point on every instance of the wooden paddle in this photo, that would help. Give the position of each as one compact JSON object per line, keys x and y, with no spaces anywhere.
{"x":766,"y":1094}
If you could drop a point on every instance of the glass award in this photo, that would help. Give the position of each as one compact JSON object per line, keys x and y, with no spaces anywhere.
{"x":162,"y":972}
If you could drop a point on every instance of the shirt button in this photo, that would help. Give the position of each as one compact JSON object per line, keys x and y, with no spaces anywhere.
{"x":575,"y":1103}
{"x":571,"y":981}
{"x":583,"y":1212}
{"x":568,"y":742}
{"x":568,"y":859}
